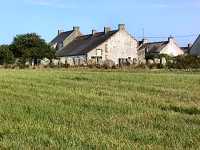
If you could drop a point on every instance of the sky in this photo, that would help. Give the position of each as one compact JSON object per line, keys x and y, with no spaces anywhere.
{"x":157,"y":18}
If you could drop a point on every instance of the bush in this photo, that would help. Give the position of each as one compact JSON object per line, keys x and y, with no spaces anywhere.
{"x":155,"y":66}
{"x":109,"y":64}
{"x":91,"y":63}
{"x":141,"y":66}
{"x":21,"y":63}
{"x":185,"y":62}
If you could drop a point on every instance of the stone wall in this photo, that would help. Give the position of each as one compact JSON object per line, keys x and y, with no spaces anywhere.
{"x":120,"y":46}
{"x":141,"y":56}
{"x":73,"y":60}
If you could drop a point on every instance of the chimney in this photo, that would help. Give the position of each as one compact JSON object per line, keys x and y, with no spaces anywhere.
{"x":170,"y":39}
{"x":144,"y":41}
{"x":76,"y":28}
{"x":94,"y":32}
{"x":121,"y":27}
{"x":190,"y":45}
{"x":60,"y":31}
{"x":107,"y":29}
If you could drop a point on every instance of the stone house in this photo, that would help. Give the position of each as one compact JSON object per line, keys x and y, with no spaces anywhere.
{"x":116,"y":45}
{"x":195,"y":49}
{"x":64,"y":38}
{"x":169,"y":47}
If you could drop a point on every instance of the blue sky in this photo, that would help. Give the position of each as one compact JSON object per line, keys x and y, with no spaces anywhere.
{"x":158,"y":17}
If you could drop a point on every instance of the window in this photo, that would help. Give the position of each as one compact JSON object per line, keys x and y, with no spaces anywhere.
{"x":97,"y":59}
{"x":106,"y":48}
{"x":99,"y":52}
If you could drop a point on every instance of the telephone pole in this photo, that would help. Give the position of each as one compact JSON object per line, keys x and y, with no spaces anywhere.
{"x":143,"y":33}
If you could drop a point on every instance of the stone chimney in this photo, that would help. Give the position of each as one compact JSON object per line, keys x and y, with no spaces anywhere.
{"x":145,"y":41}
{"x":170,"y":39}
{"x":60,"y":31}
{"x":107,"y":29}
{"x":121,"y":27}
{"x":94,"y":32}
{"x":76,"y":28}
{"x":190,"y":45}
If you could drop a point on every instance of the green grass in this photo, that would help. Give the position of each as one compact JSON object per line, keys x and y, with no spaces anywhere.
{"x":77,"y":109}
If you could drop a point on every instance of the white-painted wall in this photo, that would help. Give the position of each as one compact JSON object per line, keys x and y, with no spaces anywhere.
{"x":120,"y":45}
{"x":172,"y":49}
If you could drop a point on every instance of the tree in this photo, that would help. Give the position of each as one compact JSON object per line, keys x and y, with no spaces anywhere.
{"x":31,"y":47}
{"x":6,"y":55}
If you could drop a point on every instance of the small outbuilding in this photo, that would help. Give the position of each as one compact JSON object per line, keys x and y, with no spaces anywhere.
{"x":169,"y":47}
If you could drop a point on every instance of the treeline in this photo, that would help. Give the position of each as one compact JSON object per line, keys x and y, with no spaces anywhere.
{"x":25,"y":48}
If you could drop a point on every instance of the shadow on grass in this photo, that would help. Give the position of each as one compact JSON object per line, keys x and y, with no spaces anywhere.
{"x":80,"y":79}
{"x":189,"y":111}
{"x":76,"y":78}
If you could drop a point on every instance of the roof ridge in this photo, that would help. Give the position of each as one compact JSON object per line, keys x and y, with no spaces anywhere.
{"x":98,"y":33}
{"x":157,"y":42}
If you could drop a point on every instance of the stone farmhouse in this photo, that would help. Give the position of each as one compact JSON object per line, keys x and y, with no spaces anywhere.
{"x":169,"y":47}
{"x":195,"y":49}
{"x":75,"y":48}
{"x":118,"y":45}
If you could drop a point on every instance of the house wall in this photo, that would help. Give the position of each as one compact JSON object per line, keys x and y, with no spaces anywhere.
{"x":141,"y":56}
{"x":172,"y":49}
{"x":121,"y":45}
{"x":195,"y":50}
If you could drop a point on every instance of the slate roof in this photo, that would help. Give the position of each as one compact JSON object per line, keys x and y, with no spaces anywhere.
{"x":83,"y":44}
{"x":140,"y":43}
{"x":61,"y":37}
{"x":196,"y":46}
{"x":185,"y":49}
{"x":154,"y":47}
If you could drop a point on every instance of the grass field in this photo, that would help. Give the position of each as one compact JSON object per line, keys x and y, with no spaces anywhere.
{"x":77,"y":109}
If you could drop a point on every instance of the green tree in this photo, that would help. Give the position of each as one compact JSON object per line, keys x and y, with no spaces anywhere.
{"x":6,"y":55}
{"x":31,"y":47}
